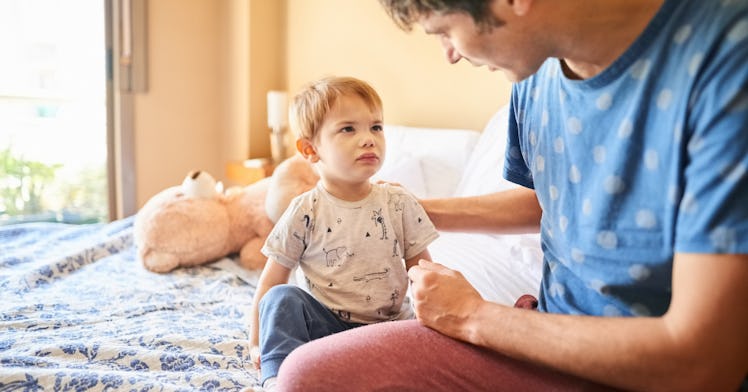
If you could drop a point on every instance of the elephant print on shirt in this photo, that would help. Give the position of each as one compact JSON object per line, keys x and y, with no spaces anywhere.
{"x":336,"y":256}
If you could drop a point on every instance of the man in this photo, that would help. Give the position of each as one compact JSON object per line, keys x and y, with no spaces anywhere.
{"x":629,"y":131}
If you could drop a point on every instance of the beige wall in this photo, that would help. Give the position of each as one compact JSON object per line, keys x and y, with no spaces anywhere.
{"x":409,"y":70}
{"x":178,"y":119}
{"x":211,"y":63}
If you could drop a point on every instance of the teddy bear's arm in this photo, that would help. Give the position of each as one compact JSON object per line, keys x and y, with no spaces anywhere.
{"x":250,"y":256}
{"x":291,"y":178}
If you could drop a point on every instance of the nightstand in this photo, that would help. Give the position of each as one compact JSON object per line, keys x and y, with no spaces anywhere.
{"x":249,"y":171}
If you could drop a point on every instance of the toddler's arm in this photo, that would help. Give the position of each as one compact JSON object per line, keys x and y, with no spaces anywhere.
{"x":272,"y":275}
{"x":425,"y":255}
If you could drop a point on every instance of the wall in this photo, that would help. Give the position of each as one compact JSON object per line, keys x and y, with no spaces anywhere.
{"x":211,"y":63}
{"x":178,"y":118}
{"x":267,"y":69}
{"x":408,"y":70}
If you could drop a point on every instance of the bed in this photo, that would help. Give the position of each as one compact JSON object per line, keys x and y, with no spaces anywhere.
{"x":79,"y":312}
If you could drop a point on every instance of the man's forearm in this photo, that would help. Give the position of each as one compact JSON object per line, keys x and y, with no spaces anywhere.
{"x":510,"y":212}
{"x":594,"y":348}
{"x":707,"y":319}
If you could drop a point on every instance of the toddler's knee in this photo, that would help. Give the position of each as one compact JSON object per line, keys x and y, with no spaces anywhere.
{"x":282,"y":294}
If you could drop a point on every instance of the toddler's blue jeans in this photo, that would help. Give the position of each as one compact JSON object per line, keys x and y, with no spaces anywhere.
{"x":290,"y":317}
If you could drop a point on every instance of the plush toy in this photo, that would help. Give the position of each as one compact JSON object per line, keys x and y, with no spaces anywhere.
{"x":291,"y":178}
{"x":196,"y":223}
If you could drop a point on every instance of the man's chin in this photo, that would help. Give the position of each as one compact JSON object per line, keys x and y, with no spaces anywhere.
{"x":508,"y":73}
{"x":514,"y":76}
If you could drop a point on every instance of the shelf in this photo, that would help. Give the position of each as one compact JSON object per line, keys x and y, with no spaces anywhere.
{"x":249,"y":171}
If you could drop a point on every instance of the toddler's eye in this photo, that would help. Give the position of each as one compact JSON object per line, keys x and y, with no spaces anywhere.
{"x":347,"y":129}
{"x":377,"y":128}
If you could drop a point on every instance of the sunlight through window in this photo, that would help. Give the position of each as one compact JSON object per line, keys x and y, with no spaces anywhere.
{"x":52,"y":111}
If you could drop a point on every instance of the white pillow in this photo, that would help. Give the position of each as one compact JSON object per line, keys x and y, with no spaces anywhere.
{"x":405,"y":170}
{"x":441,"y":153}
{"x":484,"y":172}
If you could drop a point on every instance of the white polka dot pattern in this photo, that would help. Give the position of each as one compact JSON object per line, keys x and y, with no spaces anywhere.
{"x":639,"y":162}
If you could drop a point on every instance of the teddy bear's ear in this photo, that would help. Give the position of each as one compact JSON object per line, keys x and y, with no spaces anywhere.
{"x":199,"y":184}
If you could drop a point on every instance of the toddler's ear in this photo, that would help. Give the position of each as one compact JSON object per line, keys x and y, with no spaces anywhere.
{"x":307,"y":150}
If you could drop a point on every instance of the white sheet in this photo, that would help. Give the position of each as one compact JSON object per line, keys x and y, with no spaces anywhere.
{"x":501,"y":267}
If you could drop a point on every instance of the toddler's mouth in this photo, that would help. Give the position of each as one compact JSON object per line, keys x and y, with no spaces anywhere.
{"x":368,"y":157}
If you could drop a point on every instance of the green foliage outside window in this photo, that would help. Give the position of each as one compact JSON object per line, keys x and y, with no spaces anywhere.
{"x":30,"y":191}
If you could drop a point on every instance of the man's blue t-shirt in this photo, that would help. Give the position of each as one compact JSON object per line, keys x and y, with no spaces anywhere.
{"x":646,"y":159}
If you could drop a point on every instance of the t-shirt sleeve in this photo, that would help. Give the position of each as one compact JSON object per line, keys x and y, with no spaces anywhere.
{"x":713,"y":198}
{"x":418,"y":230}
{"x":515,"y":167}
{"x":288,"y":239}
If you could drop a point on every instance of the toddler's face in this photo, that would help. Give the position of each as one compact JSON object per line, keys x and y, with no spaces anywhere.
{"x":350,"y":142}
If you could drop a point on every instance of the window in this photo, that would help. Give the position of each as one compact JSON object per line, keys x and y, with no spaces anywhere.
{"x":53,"y":111}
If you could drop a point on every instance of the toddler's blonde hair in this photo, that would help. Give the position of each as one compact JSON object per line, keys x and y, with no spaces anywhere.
{"x":310,"y":106}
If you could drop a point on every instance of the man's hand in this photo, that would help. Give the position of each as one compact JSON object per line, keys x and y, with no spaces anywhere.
{"x":444,"y":300}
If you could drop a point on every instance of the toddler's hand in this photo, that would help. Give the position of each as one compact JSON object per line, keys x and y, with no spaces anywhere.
{"x":254,"y":356}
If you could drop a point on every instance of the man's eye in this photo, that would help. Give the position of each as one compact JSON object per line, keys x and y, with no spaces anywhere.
{"x":377,"y":128}
{"x":347,"y":129}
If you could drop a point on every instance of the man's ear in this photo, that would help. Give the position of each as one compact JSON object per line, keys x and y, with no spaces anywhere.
{"x":307,"y":150}
{"x":520,"y":7}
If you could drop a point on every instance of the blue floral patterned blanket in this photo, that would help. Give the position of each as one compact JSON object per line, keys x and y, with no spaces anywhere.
{"x":79,"y":312}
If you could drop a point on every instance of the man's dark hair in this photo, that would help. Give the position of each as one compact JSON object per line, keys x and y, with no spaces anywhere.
{"x":405,"y":13}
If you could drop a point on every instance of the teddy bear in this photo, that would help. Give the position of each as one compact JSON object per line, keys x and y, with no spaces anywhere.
{"x":196,"y":223}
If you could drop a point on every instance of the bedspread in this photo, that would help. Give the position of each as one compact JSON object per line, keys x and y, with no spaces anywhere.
{"x":79,"y":312}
